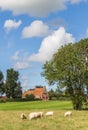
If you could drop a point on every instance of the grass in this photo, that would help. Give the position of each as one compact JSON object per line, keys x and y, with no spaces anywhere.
{"x":10,"y":116}
{"x":36,"y":105}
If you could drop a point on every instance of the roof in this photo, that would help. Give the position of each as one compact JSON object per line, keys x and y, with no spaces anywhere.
{"x":37,"y":91}
{"x":28,"y":92}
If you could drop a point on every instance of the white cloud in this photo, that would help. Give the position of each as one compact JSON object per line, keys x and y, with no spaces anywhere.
{"x":77,"y":1}
{"x":21,"y":65}
{"x":11,"y":24}
{"x":35,"y":7}
{"x":20,"y":59}
{"x":16,"y":56}
{"x":37,"y":28}
{"x":56,"y":23}
{"x":32,"y":7}
{"x":24,"y":82}
{"x":38,"y":8}
{"x":51,"y":44}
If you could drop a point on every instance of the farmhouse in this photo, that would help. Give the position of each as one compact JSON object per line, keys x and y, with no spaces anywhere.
{"x":39,"y":93}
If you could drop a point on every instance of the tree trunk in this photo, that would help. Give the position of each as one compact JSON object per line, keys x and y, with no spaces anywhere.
{"x":77,"y":104}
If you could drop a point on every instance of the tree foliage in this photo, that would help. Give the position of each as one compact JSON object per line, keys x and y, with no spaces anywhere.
{"x":52,"y":94}
{"x":12,"y":86}
{"x":69,"y":68}
{"x":18,"y":90}
{"x":30,"y":97}
{"x":1,"y":83}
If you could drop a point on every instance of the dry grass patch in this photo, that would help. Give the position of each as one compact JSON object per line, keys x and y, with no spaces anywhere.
{"x":10,"y":120}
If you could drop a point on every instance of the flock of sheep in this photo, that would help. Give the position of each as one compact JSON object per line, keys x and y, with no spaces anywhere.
{"x":34,"y":115}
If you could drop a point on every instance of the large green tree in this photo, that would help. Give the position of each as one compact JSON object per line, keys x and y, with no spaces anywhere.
{"x":12,"y":85}
{"x":68,"y":68}
{"x":18,"y":90}
{"x":1,"y":83}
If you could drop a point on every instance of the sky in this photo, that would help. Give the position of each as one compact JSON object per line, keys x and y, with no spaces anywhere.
{"x":32,"y":31}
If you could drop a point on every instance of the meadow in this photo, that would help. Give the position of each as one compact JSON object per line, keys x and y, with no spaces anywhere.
{"x":10,"y":116}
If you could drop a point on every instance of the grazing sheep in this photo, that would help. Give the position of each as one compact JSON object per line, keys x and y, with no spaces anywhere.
{"x":32,"y":115}
{"x":49,"y":113}
{"x":23,"y":116}
{"x":68,"y":113}
{"x":35,"y":115}
{"x":39,"y":114}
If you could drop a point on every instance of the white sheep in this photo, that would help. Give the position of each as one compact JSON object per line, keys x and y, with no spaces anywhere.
{"x":49,"y":113}
{"x":23,"y":116}
{"x":68,"y":113}
{"x":35,"y":115}
{"x":39,"y":114}
{"x":32,"y":115}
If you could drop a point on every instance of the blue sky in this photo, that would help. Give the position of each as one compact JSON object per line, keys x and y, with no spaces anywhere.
{"x":32,"y":31}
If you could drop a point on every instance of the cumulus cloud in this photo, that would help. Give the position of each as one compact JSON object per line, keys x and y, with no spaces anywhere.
{"x":33,"y":8}
{"x":20,"y":60}
{"x":11,"y":24}
{"x":51,"y":44}
{"x":38,"y":8}
{"x":21,"y":65}
{"x":16,"y":56}
{"x":77,"y":1}
{"x":56,"y":23}
{"x":36,"y":29}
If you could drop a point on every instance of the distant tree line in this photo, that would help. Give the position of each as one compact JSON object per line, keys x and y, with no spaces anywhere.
{"x":58,"y":94}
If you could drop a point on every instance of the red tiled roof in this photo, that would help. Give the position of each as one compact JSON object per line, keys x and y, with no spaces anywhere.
{"x":38,"y":91}
{"x":27,"y":92}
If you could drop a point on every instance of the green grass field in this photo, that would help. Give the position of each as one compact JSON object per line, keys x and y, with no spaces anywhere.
{"x":10,"y":116}
{"x":36,"y":105}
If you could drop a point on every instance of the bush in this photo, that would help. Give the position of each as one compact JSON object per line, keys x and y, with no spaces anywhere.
{"x":2,"y":101}
{"x":31,"y":97}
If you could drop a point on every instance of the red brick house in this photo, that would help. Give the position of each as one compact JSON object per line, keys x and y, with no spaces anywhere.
{"x":39,"y":93}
